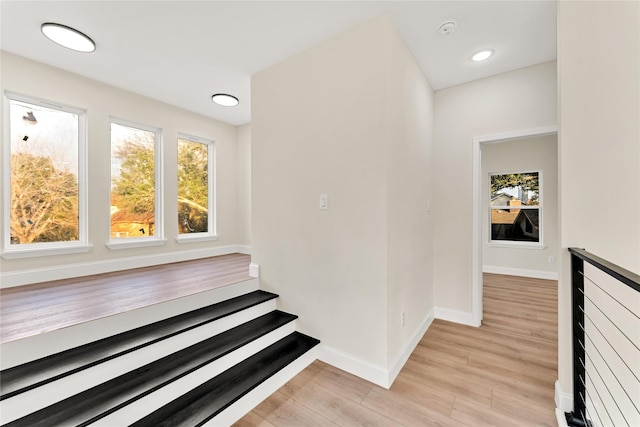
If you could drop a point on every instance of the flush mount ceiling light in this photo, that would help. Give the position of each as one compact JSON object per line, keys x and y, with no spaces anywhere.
{"x":225,"y":100}
{"x":68,"y":37}
{"x":483,"y":55}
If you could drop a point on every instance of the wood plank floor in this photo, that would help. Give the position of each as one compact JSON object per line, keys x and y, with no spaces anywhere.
{"x":33,"y":309}
{"x":501,"y":374}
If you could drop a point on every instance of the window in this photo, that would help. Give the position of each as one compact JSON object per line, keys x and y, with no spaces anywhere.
{"x":45,"y":199}
{"x":135,"y":182}
{"x":515,"y":207}
{"x":195,"y":188}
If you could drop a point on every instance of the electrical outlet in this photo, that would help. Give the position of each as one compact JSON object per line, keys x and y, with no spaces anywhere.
{"x":403,"y":319}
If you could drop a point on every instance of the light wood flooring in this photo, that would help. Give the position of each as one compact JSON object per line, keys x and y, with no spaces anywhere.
{"x":33,"y":309}
{"x":501,"y":374}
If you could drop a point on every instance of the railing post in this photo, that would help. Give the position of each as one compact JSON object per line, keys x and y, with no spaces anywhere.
{"x":578,"y":418}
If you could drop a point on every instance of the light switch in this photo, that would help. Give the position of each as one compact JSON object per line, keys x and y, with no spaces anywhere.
{"x":324,"y":202}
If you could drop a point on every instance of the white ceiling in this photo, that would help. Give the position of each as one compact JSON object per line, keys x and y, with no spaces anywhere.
{"x":182,"y":52}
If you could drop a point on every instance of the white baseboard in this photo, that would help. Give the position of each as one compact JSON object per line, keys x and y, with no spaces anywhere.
{"x":564,"y":401}
{"x":254,"y":270}
{"x":522,"y":272}
{"x":402,"y":358}
{"x":67,"y":271}
{"x":456,"y":316}
{"x":371,"y":372}
{"x":560,"y":418}
{"x":244,"y":249}
{"x":347,"y":362}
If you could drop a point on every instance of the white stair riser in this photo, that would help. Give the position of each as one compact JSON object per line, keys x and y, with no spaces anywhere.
{"x":252,"y":399}
{"x":27,"y":349}
{"x":48,"y":394}
{"x":163,"y":396}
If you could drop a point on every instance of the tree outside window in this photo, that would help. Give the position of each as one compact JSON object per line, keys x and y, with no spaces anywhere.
{"x":193,"y":186}
{"x":515,"y":207}
{"x":133,"y":182}
{"x":44,"y":197}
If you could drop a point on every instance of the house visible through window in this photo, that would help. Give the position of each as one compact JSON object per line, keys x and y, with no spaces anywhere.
{"x":515,"y":208}
{"x":45,"y":171}
{"x":195,"y":189}
{"x":133,"y":181}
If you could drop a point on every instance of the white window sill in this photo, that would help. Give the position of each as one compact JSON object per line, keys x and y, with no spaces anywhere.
{"x":196,"y":237}
{"x":517,"y":245}
{"x":135,"y":243}
{"x":46,"y":251}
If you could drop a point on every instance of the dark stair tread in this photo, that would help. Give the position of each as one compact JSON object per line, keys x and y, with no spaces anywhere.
{"x":209,"y":399}
{"x":89,"y":406}
{"x":41,"y":371}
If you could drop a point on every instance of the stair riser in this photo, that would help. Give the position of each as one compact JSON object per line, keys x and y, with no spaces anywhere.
{"x":27,"y":349}
{"x":163,"y":396}
{"x":40,"y":397}
{"x":249,"y":401}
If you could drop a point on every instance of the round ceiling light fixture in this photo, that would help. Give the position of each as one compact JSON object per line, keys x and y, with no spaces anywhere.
{"x":483,"y":55}
{"x":68,"y":37}
{"x":225,"y":99}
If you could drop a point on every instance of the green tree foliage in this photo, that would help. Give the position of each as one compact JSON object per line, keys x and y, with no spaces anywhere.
{"x":44,"y":201}
{"x":193,"y":178}
{"x":134,"y":186}
{"x":526,"y":181}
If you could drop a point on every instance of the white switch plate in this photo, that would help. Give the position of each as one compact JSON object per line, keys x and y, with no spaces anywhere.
{"x":324,"y":202}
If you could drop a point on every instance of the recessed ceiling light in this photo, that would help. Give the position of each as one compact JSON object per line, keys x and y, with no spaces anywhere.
{"x":68,"y":37}
{"x":482,"y":55}
{"x":225,"y":100}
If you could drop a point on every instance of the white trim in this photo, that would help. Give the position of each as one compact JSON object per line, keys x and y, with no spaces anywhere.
{"x":67,"y":271}
{"x":560,"y":419}
{"x":515,"y":245}
{"x":129,"y":243}
{"x":404,"y":355}
{"x":354,"y":365}
{"x":211,"y":184}
{"x":456,"y":316}
{"x":55,"y":248}
{"x":195,"y":237}
{"x":564,"y":401}
{"x":244,"y":249}
{"x":536,"y":274}
{"x":158,"y":214}
{"x":523,"y":244}
{"x":254,"y":270}
{"x":476,"y":276}
{"x":47,"y":251}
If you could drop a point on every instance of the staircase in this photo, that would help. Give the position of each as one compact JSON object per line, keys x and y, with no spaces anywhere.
{"x":207,"y":366}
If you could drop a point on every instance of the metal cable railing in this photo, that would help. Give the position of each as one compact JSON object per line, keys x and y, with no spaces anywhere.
{"x":606,"y":343}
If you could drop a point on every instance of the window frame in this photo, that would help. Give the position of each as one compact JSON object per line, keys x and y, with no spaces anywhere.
{"x":211,"y":234}
{"x":45,"y":248}
{"x":158,"y":238}
{"x":515,"y":243}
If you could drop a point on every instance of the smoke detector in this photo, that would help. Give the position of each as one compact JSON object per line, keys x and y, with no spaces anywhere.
{"x":448,"y":27}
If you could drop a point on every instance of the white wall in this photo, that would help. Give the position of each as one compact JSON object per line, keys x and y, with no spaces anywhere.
{"x":599,"y":142}
{"x":514,"y":101}
{"x":243,"y":145}
{"x":409,"y":115}
{"x":522,"y":155}
{"x":27,"y":77}
{"x":326,"y":122}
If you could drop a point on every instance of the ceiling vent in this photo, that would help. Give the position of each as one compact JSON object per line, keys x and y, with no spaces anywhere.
{"x":448,"y":27}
